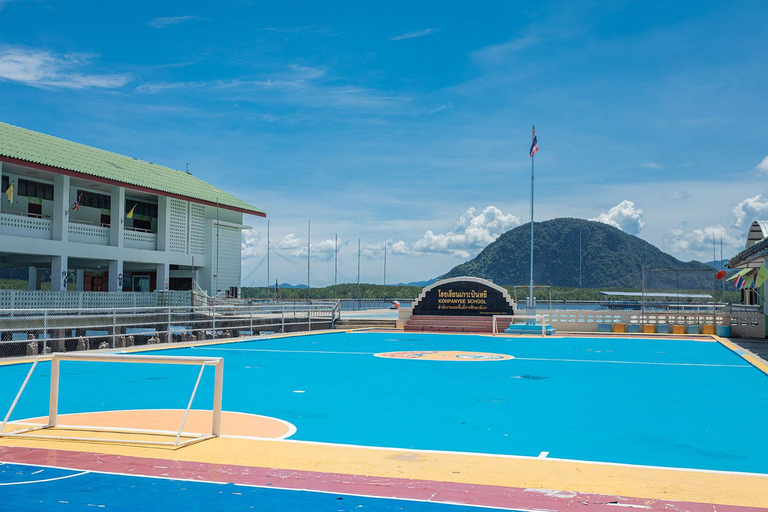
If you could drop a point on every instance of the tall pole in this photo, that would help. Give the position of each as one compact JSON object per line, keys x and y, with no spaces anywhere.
{"x":385,"y":264}
{"x":359,"y":297}
{"x":309,"y":229}
{"x":714,"y":277}
{"x":581,"y":284}
{"x":217,"y":248}
{"x":531,"y":302}
{"x":722,"y":292}
{"x":268,"y":281}
{"x":335,"y":264}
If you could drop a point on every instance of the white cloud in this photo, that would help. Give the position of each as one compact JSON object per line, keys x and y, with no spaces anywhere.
{"x":289,"y":242}
{"x":698,"y":243}
{"x":623,"y":216}
{"x":251,"y":246}
{"x":417,"y":33}
{"x":471,"y":234}
{"x":322,"y":250}
{"x":39,"y":68}
{"x":171,"y":20}
{"x":651,"y":165}
{"x":751,"y":207}
{"x":499,"y":53}
{"x":762,"y":167}
{"x":677,"y":195}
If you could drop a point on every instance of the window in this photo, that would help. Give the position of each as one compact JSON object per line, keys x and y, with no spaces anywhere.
{"x":35,"y":189}
{"x":94,"y":200}
{"x":6,"y":182}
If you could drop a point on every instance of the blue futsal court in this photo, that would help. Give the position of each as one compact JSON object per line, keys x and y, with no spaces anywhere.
{"x":683,"y":403}
{"x":33,"y":488}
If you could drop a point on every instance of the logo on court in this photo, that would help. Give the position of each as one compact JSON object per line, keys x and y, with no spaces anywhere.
{"x":444,"y":355}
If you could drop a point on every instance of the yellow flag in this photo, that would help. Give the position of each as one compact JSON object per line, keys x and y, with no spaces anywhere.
{"x":9,"y":192}
{"x":130,"y":213}
{"x":761,"y":277}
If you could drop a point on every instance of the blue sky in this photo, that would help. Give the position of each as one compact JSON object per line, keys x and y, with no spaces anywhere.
{"x":407,"y":124}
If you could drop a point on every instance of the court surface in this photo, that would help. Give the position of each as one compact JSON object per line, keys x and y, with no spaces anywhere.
{"x":654,"y":418}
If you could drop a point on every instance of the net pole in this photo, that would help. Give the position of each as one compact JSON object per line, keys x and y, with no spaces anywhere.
{"x":189,"y":406}
{"x":18,"y":395}
{"x":218,"y":384}
{"x":53,"y":403}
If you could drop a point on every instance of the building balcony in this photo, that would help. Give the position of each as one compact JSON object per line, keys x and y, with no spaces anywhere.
{"x":27,"y":225}
{"x":22,"y":224}
{"x":88,"y":233}
{"x":140,"y":239}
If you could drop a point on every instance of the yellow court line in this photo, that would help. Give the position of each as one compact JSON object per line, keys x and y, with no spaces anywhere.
{"x":748,"y":490}
{"x":752,"y":359}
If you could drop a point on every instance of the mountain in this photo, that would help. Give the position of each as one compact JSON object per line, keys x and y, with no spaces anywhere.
{"x":610,"y":259}
{"x":417,"y":283}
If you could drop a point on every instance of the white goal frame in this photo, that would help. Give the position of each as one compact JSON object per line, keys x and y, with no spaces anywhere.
{"x":521,"y":317}
{"x":53,"y":403}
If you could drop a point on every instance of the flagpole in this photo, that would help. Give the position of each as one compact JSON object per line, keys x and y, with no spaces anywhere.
{"x":531,"y":301}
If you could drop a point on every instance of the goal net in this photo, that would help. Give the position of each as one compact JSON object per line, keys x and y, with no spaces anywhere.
{"x":174,"y":439}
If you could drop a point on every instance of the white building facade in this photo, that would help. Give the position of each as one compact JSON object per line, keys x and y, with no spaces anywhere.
{"x":108,"y":222}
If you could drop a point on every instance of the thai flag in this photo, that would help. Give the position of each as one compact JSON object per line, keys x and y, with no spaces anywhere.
{"x":534,"y":144}
{"x":739,"y":283}
{"x":76,"y":206}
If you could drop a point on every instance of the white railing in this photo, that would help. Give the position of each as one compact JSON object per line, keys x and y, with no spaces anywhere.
{"x":749,"y":324}
{"x":36,"y":299}
{"x":139,"y":239}
{"x":37,"y":331}
{"x":88,"y":233}
{"x":15,"y":224}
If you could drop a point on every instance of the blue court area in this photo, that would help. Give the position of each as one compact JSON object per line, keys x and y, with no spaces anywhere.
{"x":32,"y":488}
{"x":650,"y":401}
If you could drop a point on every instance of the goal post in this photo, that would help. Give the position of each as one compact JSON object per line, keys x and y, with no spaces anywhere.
{"x":53,"y":401}
{"x":520,"y":317}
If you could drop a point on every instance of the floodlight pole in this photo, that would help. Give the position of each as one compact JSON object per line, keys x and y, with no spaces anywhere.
{"x":268,"y":282}
{"x":531,"y":300}
{"x":335,"y":264}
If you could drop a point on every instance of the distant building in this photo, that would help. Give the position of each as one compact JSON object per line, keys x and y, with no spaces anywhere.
{"x":754,"y":255}
{"x":113,"y":223}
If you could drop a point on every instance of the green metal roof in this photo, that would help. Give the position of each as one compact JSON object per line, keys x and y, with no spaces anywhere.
{"x":29,"y":146}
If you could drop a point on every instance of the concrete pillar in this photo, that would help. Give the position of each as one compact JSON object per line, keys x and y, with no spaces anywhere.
{"x":34,"y":278}
{"x":163,"y":270}
{"x":61,"y":203}
{"x":115,"y":275}
{"x":163,"y":223}
{"x":117,"y":216}
{"x":80,"y":276}
{"x":59,"y":273}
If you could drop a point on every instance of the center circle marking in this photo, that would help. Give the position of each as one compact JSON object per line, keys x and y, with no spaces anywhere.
{"x":444,"y":355}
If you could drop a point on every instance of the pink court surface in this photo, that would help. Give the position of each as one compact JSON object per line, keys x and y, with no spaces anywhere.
{"x":258,"y":451}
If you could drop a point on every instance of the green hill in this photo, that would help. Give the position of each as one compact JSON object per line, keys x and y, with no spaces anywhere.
{"x":611,"y":259}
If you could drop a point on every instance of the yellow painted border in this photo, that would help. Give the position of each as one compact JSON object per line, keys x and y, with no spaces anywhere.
{"x":754,"y":360}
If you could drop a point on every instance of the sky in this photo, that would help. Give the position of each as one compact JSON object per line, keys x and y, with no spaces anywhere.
{"x":407,"y":125}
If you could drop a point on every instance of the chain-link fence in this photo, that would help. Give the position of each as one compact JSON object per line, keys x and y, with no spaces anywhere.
{"x":40,"y":331}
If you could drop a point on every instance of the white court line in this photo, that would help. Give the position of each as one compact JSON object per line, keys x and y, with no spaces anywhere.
{"x":632,"y":362}
{"x":336,"y":493}
{"x":46,"y":479}
{"x":543,"y":455}
{"x":286,"y":351}
{"x":518,"y":358}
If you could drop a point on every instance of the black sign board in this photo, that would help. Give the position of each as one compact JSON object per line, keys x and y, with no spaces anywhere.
{"x":464,"y":298}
